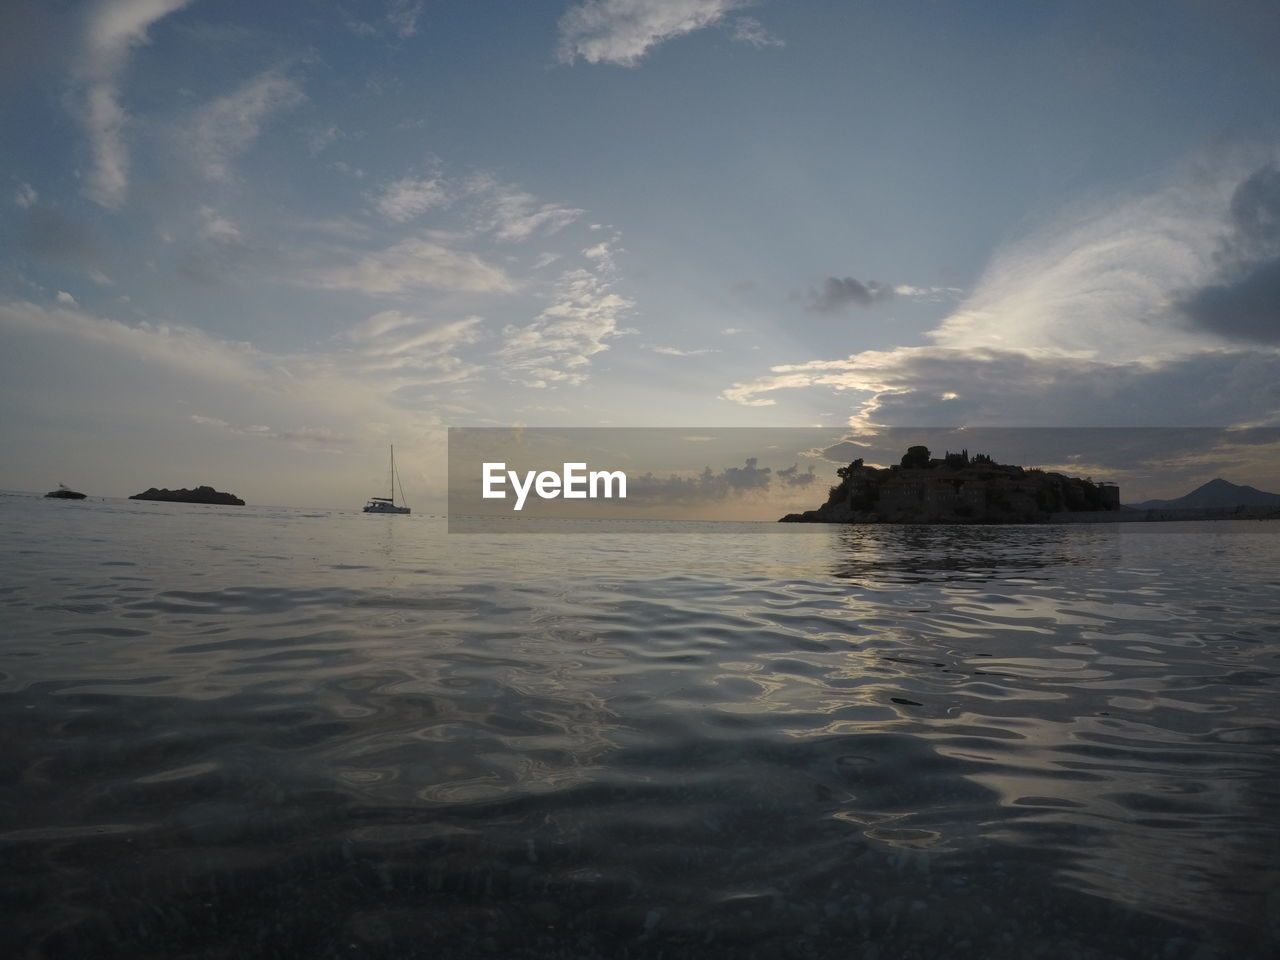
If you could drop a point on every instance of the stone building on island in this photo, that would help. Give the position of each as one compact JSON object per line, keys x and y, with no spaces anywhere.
{"x":955,"y":488}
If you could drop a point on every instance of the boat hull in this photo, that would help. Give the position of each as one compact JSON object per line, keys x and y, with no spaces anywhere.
{"x":384,"y":508}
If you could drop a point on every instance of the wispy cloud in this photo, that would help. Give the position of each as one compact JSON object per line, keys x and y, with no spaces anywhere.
{"x":410,"y":196}
{"x":176,"y":347}
{"x":416,"y":263}
{"x":226,"y":127}
{"x":1100,"y":279}
{"x":513,"y":215}
{"x":557,"y":347}
{"x":419,"y":351}
{"x":677,"y":352}
{"x":25,"y":196}
{"x":752,"y":32}
{"x":215,"y":226}
{"x":113,"y":29}
{"x":403,"y":15}
{"x":622,"y":31}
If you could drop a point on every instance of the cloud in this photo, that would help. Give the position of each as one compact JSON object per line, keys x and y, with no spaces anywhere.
{"x":623,"y":31}
{"x":403,"y":15}
{"x":1085,"y":321}
{"x":513,"y":215}
{"x":411,"y":196}
{"x":414,"y":351}
{"x":677,"y":352}
{"x":216,"y":226}
{"x":418,"y":350}
{"x":602,"y":255}
{"x":750,"y":479}
{"x":1243,"y":302}
{"x":557,"y":347}
{"x":321,"y":139}
{"x":226,"y":127}
{"x":414,"y":264}
{"x":114,"y":28}
{"x":25,"y":196}
{"x":927,"y":294}
{"x":943,"y":386}
{"x":220,"y":251}
{"x":66,"y":298}
{"x":1246,"y":309}
{"x":839,"y":292}
{"x":792,"y":476}
{"x":751,"y":31}
{"x":185,"y":349}
{"x":1100,"y":280}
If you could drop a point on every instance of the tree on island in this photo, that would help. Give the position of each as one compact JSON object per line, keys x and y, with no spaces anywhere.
{"x":916,"y":457}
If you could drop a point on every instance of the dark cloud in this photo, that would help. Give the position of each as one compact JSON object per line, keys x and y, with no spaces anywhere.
{"x":792,"y":476}
{"x":839,"y":292}
{"x":1246,"y":309}
{"x":846,"y":451}
{"x":1243,"y":302}
{"x":707,"y":485}
{"x":48,"y":235}
{"x":1255,"y":210}
{"x":1208,"y":389}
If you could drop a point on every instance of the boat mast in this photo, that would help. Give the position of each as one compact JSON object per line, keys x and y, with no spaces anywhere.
{"x":392,"y":477}
{"x":396,"y":473}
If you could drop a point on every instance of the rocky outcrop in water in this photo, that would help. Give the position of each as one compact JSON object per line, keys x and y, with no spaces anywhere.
{"x":201,"y":494}
{"x":955,"y":489}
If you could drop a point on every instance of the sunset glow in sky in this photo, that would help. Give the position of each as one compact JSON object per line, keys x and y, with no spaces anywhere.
{"x":251,"y":244}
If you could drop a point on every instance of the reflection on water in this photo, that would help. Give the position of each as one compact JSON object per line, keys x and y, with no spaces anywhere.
{"x":276,"y":732}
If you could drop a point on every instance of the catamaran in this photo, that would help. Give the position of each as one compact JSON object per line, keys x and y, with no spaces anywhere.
{"x":388,"y":504}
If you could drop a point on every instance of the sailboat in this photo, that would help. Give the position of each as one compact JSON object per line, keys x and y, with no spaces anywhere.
{"x":388,"y":504}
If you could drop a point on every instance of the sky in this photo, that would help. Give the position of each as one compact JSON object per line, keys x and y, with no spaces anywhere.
{"x":252,"y":245}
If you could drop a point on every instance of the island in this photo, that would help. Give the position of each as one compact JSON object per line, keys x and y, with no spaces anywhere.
{"x":957,"y":488}
{"x":201,"y":494}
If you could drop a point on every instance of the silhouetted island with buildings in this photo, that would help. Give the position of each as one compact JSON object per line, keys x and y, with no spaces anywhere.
{"x":956,"y":488}
{"x":201,"y":494}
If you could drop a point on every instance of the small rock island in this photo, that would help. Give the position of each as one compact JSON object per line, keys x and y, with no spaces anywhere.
{"x":955,"y":488}
{"x":201,"y":494}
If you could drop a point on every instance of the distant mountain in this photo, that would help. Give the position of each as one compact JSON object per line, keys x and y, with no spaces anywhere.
{"x":1215,"y":493}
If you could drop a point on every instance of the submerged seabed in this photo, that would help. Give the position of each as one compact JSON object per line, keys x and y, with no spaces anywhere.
{"x":232,"y":732}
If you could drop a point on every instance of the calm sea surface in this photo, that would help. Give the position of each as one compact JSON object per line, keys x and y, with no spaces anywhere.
{"x":256,"y":732}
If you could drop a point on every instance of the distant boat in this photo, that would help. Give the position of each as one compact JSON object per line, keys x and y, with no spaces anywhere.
{"x":64,"y":493}
{"x":388,"y":504}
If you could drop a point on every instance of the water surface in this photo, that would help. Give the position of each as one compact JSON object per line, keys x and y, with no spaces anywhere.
{"x":232,"y":732}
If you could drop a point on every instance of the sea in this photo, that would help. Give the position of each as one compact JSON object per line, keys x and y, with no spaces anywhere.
{"x":280,"y":732}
